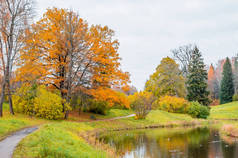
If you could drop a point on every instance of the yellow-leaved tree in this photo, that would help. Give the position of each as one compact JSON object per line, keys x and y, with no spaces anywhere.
{"x":167,"y":80}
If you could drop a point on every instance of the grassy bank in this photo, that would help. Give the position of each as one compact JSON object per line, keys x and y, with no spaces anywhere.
{"x":225,"y":111}
{"x":227,"y":114}
{"x":58,"y":140}
{"x":71,"y":139}
{"x":11,"y":123}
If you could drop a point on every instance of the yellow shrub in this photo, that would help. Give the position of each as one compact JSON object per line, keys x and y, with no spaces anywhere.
{"x":37,"y":101}
{"x":23,"y":99}
{"x":141,"y":103}
{"x":49,"y":105}
{"x":172,"y":104}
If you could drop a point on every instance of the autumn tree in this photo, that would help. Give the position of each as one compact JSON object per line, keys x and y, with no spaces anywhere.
{"x":235,"y":74}
{"x":141,"y":103}
{"x":213,"y":85}
{"x":183,"y":55}
{"x":14,"y":18}
{"x":112,"y":97}
{"x":197,"y":79}
{"x":65,"y":53}
{"x":227,"y":86}
{"x":167,"y":80}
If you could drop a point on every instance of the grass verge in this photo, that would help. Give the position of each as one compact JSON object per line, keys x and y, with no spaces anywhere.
{"x":225,"y":111}
{"x":12,"y":123}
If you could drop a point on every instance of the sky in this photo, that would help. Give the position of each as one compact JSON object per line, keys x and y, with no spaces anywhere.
{"x":149,"y":29}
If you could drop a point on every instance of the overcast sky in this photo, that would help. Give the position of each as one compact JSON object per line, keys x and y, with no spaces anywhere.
{"x":149,"y":29}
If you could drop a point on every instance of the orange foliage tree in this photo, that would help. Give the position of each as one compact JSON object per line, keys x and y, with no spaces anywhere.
{"x":63,"y":51}
{"x":211,"y":78}
{"x":111,"y":96}
{"x":212,"y":82}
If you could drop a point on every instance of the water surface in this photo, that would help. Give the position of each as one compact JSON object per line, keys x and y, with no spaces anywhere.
{"x":171,"y":143}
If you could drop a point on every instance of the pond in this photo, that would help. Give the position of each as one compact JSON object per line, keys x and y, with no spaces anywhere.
{"x":171,"y":143}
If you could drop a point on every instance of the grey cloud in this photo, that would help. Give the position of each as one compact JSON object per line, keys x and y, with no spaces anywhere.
{"x":149,"y":29}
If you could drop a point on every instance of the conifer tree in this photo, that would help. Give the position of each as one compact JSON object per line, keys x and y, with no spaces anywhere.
{"x":227,"y":85}
{"x":197,"y":79}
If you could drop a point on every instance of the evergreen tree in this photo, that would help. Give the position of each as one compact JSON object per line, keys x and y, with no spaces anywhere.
{"x":197,"y":79}
{"x":227,"y":86}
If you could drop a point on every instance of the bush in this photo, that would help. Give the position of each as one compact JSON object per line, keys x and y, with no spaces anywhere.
{"x":23,"y":99}
{"x":172,"y":104}
{"x":37,"y":101}
{"x":49,"y":105}
{"x":98,"y":107}
{"x":235,"y":97}
{"x":112,"y":97}
{"x":197,"y":110}
{"x":141,"y":103}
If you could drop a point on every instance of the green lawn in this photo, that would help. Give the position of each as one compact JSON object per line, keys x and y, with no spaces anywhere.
{"x":225,"y":111}
{"x":159,"y":116}
{"x":117,"y":113}
{"x":58,"y":140}
{"x":11,"y":123}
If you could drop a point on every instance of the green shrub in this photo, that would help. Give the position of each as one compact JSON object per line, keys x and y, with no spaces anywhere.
{"x":98,"y":107}
{"x":197,"y":110}
{"x":92,"y":117}
{"x":235,"y":97}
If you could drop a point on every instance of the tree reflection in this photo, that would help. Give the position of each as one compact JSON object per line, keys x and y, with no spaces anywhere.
{"x":171,"y":143}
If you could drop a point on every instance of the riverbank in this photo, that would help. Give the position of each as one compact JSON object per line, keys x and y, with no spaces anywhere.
{"x":77,"y":139}
{"x":227,"y":115}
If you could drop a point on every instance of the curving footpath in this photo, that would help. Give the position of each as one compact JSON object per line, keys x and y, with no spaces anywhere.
{"x":8,"y":145}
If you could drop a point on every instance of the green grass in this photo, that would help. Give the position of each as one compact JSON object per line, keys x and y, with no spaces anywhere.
{"x":155,"y":117}
{"x":5,"y":107}
{"x":11,"y":123}
{"x":59,"y":140}
{"x":225,"y":111}
{"x":159,"y":116}
{"x":117,"y":113}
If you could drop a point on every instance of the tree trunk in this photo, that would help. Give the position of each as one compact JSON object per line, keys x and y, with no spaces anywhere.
{"x":10,"y":98}
{"x":66,"y":115}
{"x":2,"y":97}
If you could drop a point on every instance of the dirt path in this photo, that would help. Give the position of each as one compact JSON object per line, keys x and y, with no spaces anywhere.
{"x":8,"y":145}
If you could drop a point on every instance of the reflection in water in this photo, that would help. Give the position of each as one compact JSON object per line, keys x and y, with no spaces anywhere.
{"x":171,"y":143}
